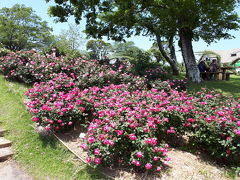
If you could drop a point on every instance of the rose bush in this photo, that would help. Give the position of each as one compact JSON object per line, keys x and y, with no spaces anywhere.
{"x":125,"y":129}
{"x":217,"y":129}
{"x":168,"y":85}
{"x":56,"y":104}
{"x":212,"y":119}
{"x":125,"y":117}
{"x":30,"y":67}
{"x":129,"y":121}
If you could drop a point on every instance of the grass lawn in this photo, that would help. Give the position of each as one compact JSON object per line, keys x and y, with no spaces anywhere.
{"x":42,"y":157}
{"x":230,"y":88}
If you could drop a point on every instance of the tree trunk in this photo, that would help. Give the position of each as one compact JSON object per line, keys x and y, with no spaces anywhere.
{"x":188,"y":56}
{"x":172,"y":62}
{"x":172,"y":48}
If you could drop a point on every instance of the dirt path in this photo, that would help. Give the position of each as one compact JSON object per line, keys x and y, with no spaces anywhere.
{"x":10,"y":170}
{"x":183,"y":166}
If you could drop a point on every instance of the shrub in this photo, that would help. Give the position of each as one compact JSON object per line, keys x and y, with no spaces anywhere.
{"x":167,"y":86}
{"x":56,"y":104}
{"x":29,"y":67}
{"x":125,"y":129}
{"x":3,"y":51}
{"x":119,"y":113}
{"x":16,"y":66}
{"x":213,"y":121}
{"x":218,"y":126}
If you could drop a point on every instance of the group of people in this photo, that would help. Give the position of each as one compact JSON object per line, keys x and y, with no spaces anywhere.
{"x":213,"y":67}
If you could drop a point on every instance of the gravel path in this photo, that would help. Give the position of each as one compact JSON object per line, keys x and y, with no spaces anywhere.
{"x":10,"y":170}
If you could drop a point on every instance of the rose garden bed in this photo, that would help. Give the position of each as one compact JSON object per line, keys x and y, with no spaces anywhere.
{"x":128,"y":119}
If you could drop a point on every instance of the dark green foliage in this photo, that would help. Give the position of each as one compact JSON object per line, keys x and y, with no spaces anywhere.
{"x":21,"y":28}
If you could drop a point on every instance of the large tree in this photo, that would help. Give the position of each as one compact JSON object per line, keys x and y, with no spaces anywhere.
{"x":188,"y":19}
{"x":126,"y":50}
{"x":69,"y":42}
{"x":98,"y":49}
{"x":21,"y":28}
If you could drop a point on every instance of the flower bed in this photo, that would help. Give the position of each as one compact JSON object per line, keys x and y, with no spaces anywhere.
{"x":128,"y":123}
{"x":125,"y":120}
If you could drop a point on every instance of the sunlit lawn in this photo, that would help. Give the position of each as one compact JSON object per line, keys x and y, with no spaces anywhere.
{"x":230,"y":88}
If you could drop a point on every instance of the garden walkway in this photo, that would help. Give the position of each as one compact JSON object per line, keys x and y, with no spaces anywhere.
{"x":9,"y":169}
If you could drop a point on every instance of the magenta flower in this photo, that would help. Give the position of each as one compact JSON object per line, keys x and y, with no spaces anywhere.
{"x":154,"y":141}
{"x":91,"y":139}
{"x":237,"y":132}
{"x":84,"y":146}
{"x":35,"y":119}
{"x":191,"y":120}
{"x":137,"y":163}
{"x":88,"y":159}
{"x":132,"y":137}
{"x":59,"y":121}
{"x":156,"y":149}
{"x":148,"y":166}
{"x":158,"y":168}
{"x":139,"y":154}
{"x":96,"y":151}
{"x":238,"y":123}
{"x":97,"y":161}
{"x":119,"y":132}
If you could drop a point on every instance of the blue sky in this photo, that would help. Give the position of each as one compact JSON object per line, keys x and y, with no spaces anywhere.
{"x":41,"y":8}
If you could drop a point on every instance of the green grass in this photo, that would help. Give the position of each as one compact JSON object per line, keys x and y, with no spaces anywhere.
{"x":42,"y":157}
{"x":229,"y":88}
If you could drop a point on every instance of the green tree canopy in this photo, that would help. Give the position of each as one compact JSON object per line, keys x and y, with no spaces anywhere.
{"x":125,"y":49}
{"x":188,"y":19}
{"x":69,"y":42}
{"x":99,"y":49}
{"x":21,"y":28}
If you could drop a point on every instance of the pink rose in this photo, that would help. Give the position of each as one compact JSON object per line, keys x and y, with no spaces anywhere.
{"x":158,"y":168}
{"x":97,"y":161}
{"x":132,"y":137}
{"x":238,"y":123}
{"x":139,"y":154}
{"x":137,"y":163}
{"x":119,"y":132}
{"x":59,"y":121}
{"x":83,"y":146}
{"x":96,"y":151}
{"x":237,"y":132}
{"x":35,"y":119}
{"x":191,"y":120}
{"x":88,"y":159}
{"x":91,"y":139}
{"x":148,"y":166}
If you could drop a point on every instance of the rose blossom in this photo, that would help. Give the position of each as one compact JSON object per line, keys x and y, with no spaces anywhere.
{"x":139,"y":154}
{"x":132,"y":137}
{"x":88,"y":159}
{"x":83,"y":146}
{"x":238,"y":123}
{"x":96,"y":151}
{"x":158,"y":168}
{"x":97,"y":161}
{"x":148,"y":166}
{"x":91,"y":139}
